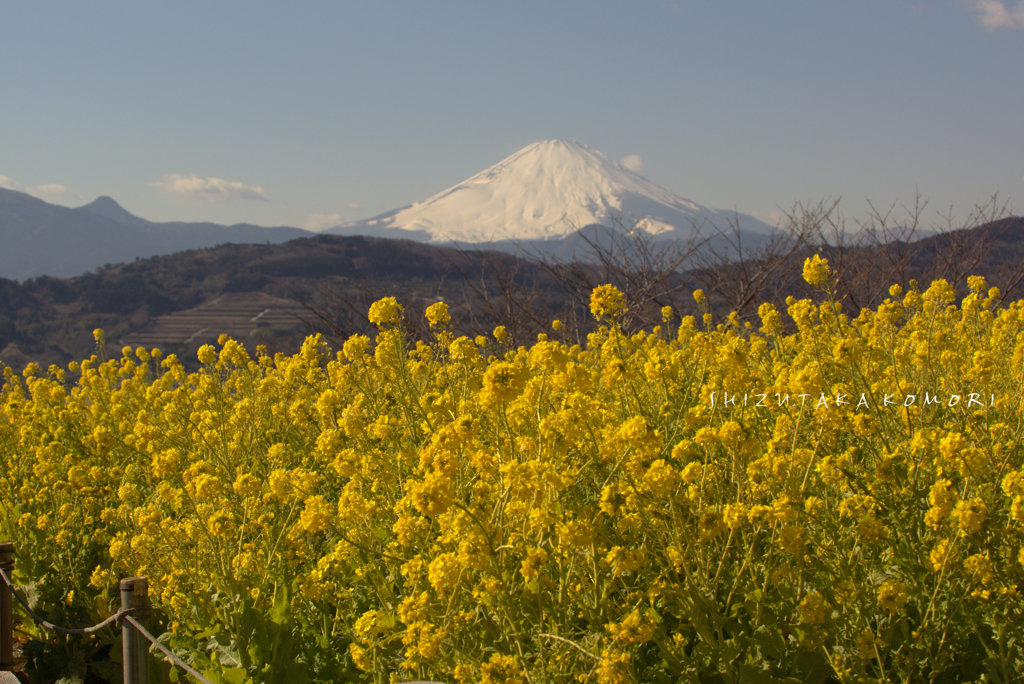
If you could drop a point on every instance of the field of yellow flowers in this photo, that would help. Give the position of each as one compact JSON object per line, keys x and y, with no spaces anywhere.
{"x":813,"y":498}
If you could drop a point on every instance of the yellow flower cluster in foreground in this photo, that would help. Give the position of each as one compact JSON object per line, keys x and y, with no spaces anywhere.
{"x":843,"y":500}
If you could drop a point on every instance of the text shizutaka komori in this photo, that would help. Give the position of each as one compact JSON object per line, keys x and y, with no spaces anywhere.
{"x":769,"y":399}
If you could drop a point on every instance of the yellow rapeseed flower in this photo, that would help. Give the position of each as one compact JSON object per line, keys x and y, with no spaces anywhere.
{"x":437,"y":315}
{"x":813,"y":609}
{"x":386,"y":311}
{"x":892,"y":596}
{"x":607,"y":302}
{"x":816,"y":271}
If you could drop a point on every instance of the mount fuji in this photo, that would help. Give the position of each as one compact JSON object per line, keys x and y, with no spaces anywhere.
{"x":548,"y":192}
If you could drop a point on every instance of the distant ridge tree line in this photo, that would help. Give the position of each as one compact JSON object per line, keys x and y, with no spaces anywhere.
{"x":50,"y":320}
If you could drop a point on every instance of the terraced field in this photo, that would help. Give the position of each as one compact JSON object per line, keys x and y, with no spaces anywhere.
{"x":250,"y":317}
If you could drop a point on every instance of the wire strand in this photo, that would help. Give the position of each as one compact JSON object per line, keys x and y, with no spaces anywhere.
{"x":121,"y":615}
{"x":43,"y":622}
{"x":175,"y":660}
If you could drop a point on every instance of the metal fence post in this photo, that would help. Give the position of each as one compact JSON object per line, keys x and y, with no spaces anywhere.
{"x":6,"y":624}
{"x":134,"y":595}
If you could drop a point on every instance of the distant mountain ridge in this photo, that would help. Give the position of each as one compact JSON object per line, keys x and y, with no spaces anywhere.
{"x":107,"y":207}
{"x":549,"y":199}
{"x":39,"y":238}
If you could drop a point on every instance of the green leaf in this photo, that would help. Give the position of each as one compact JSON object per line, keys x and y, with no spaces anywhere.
{"x":235,"y":675}
{"x":813,"y":667}
{"x":770,"y":641}
{"x":279,"y":611}
{"x":750,"y":674}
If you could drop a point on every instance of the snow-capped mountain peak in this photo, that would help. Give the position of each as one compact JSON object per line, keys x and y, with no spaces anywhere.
{"x":547,"y":190}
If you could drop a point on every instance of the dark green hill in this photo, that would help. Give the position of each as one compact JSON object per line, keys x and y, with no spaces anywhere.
{"x":324,"y":284}
{"x":277,"y":294}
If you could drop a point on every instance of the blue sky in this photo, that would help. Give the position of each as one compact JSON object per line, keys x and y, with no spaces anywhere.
{"x":310,"y":112}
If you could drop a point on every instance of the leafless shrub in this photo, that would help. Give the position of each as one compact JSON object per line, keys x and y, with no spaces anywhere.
{"x":739,"y":276}
{"x":646,"y":269}
{"x":897,"y":245}
{"x":736,"y":270}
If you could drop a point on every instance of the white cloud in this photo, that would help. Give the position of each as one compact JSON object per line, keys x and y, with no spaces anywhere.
{"x":321,"y":222}
{"x":775,"y":218}
{"x":354,"y":206}
{"x":49,"y":189}
{"x":52,"y":190}
{"x":995,"y":14}
{"x":633,"y":162}
{"x":210,"y":188}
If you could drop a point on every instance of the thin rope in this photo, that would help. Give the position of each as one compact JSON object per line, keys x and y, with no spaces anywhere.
{"x":49,"y":625}
{"x":166,"y":651}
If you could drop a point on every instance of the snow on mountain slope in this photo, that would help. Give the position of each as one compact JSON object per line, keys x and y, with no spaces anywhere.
{"x":548,"y":190}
